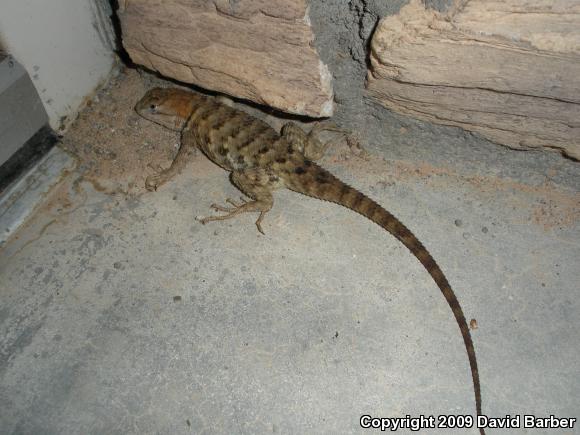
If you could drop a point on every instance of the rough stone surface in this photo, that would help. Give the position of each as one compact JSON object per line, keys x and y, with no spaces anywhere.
{"x":252,"y":49}
{"x":502,"y":56}
{"x":546,"y":25}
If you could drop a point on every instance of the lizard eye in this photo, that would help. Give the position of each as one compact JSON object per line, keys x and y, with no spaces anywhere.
{"x":152,"y":107}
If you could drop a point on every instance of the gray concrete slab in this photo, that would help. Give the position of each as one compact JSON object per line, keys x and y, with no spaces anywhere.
{"x":123,"y":315}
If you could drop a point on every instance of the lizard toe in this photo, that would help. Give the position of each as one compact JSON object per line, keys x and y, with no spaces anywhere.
{"x":152,"y":182}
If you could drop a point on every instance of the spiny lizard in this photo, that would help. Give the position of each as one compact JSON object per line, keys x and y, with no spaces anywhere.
{"x":261,"y":161}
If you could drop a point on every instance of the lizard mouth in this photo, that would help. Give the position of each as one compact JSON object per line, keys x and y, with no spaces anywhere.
{"x":168,"y":120}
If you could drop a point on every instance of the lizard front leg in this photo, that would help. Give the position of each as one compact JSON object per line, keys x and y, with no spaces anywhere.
{"x":308,"y":143}
{"x":189,"y":142}
{"x":258,"y":184}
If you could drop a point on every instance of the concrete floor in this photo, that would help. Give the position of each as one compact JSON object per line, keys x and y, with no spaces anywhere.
{"x":123,"y":315}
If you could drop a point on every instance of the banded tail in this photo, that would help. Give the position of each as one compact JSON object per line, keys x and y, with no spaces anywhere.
{"x":312,"y":180}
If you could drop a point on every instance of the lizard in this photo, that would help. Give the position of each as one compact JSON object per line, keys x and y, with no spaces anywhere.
{"x":261,"y":161}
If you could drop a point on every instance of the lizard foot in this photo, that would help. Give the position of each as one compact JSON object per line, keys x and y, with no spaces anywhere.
{"x":256,"y":184}
{"x":236,"y":205}
{"x":152,"y":182}
{"x":231,"y":212}
{"x":356,"y":148}
{"x":328,"y":126}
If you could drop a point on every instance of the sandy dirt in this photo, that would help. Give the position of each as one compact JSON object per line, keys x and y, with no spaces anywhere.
{"x":114,"y":145}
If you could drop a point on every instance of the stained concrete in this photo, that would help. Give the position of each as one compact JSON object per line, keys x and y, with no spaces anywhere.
{"x":19,"y":201}
{"x":122,"y":314}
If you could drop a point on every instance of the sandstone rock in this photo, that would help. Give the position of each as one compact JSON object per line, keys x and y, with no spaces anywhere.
{"x":260,"y":50}
{"x":509,"y":70}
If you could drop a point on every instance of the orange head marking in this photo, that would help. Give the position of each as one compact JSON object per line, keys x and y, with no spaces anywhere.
{"x":169,"y":107}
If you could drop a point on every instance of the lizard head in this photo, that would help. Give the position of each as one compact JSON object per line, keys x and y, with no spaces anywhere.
{"x":169,"y":107}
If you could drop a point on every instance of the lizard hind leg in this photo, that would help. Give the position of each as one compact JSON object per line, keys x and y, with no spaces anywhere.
{"x":308,"y":143}
{"x":257,"y":184}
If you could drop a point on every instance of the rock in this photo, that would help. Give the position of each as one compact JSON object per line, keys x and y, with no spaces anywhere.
{"x":260,"y":50}
{"x":508,"y":70}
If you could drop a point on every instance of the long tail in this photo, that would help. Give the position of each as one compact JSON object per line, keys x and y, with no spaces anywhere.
{"x":317,"y":182}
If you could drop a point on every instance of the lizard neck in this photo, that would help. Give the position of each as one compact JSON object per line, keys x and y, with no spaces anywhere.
{"x":184,"y":107}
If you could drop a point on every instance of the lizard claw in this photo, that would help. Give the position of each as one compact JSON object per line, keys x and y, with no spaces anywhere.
{"x":259,"y":226}
{"x":203,"y":221}
{"x":152,"y":182}
{"x":259,"y":223}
